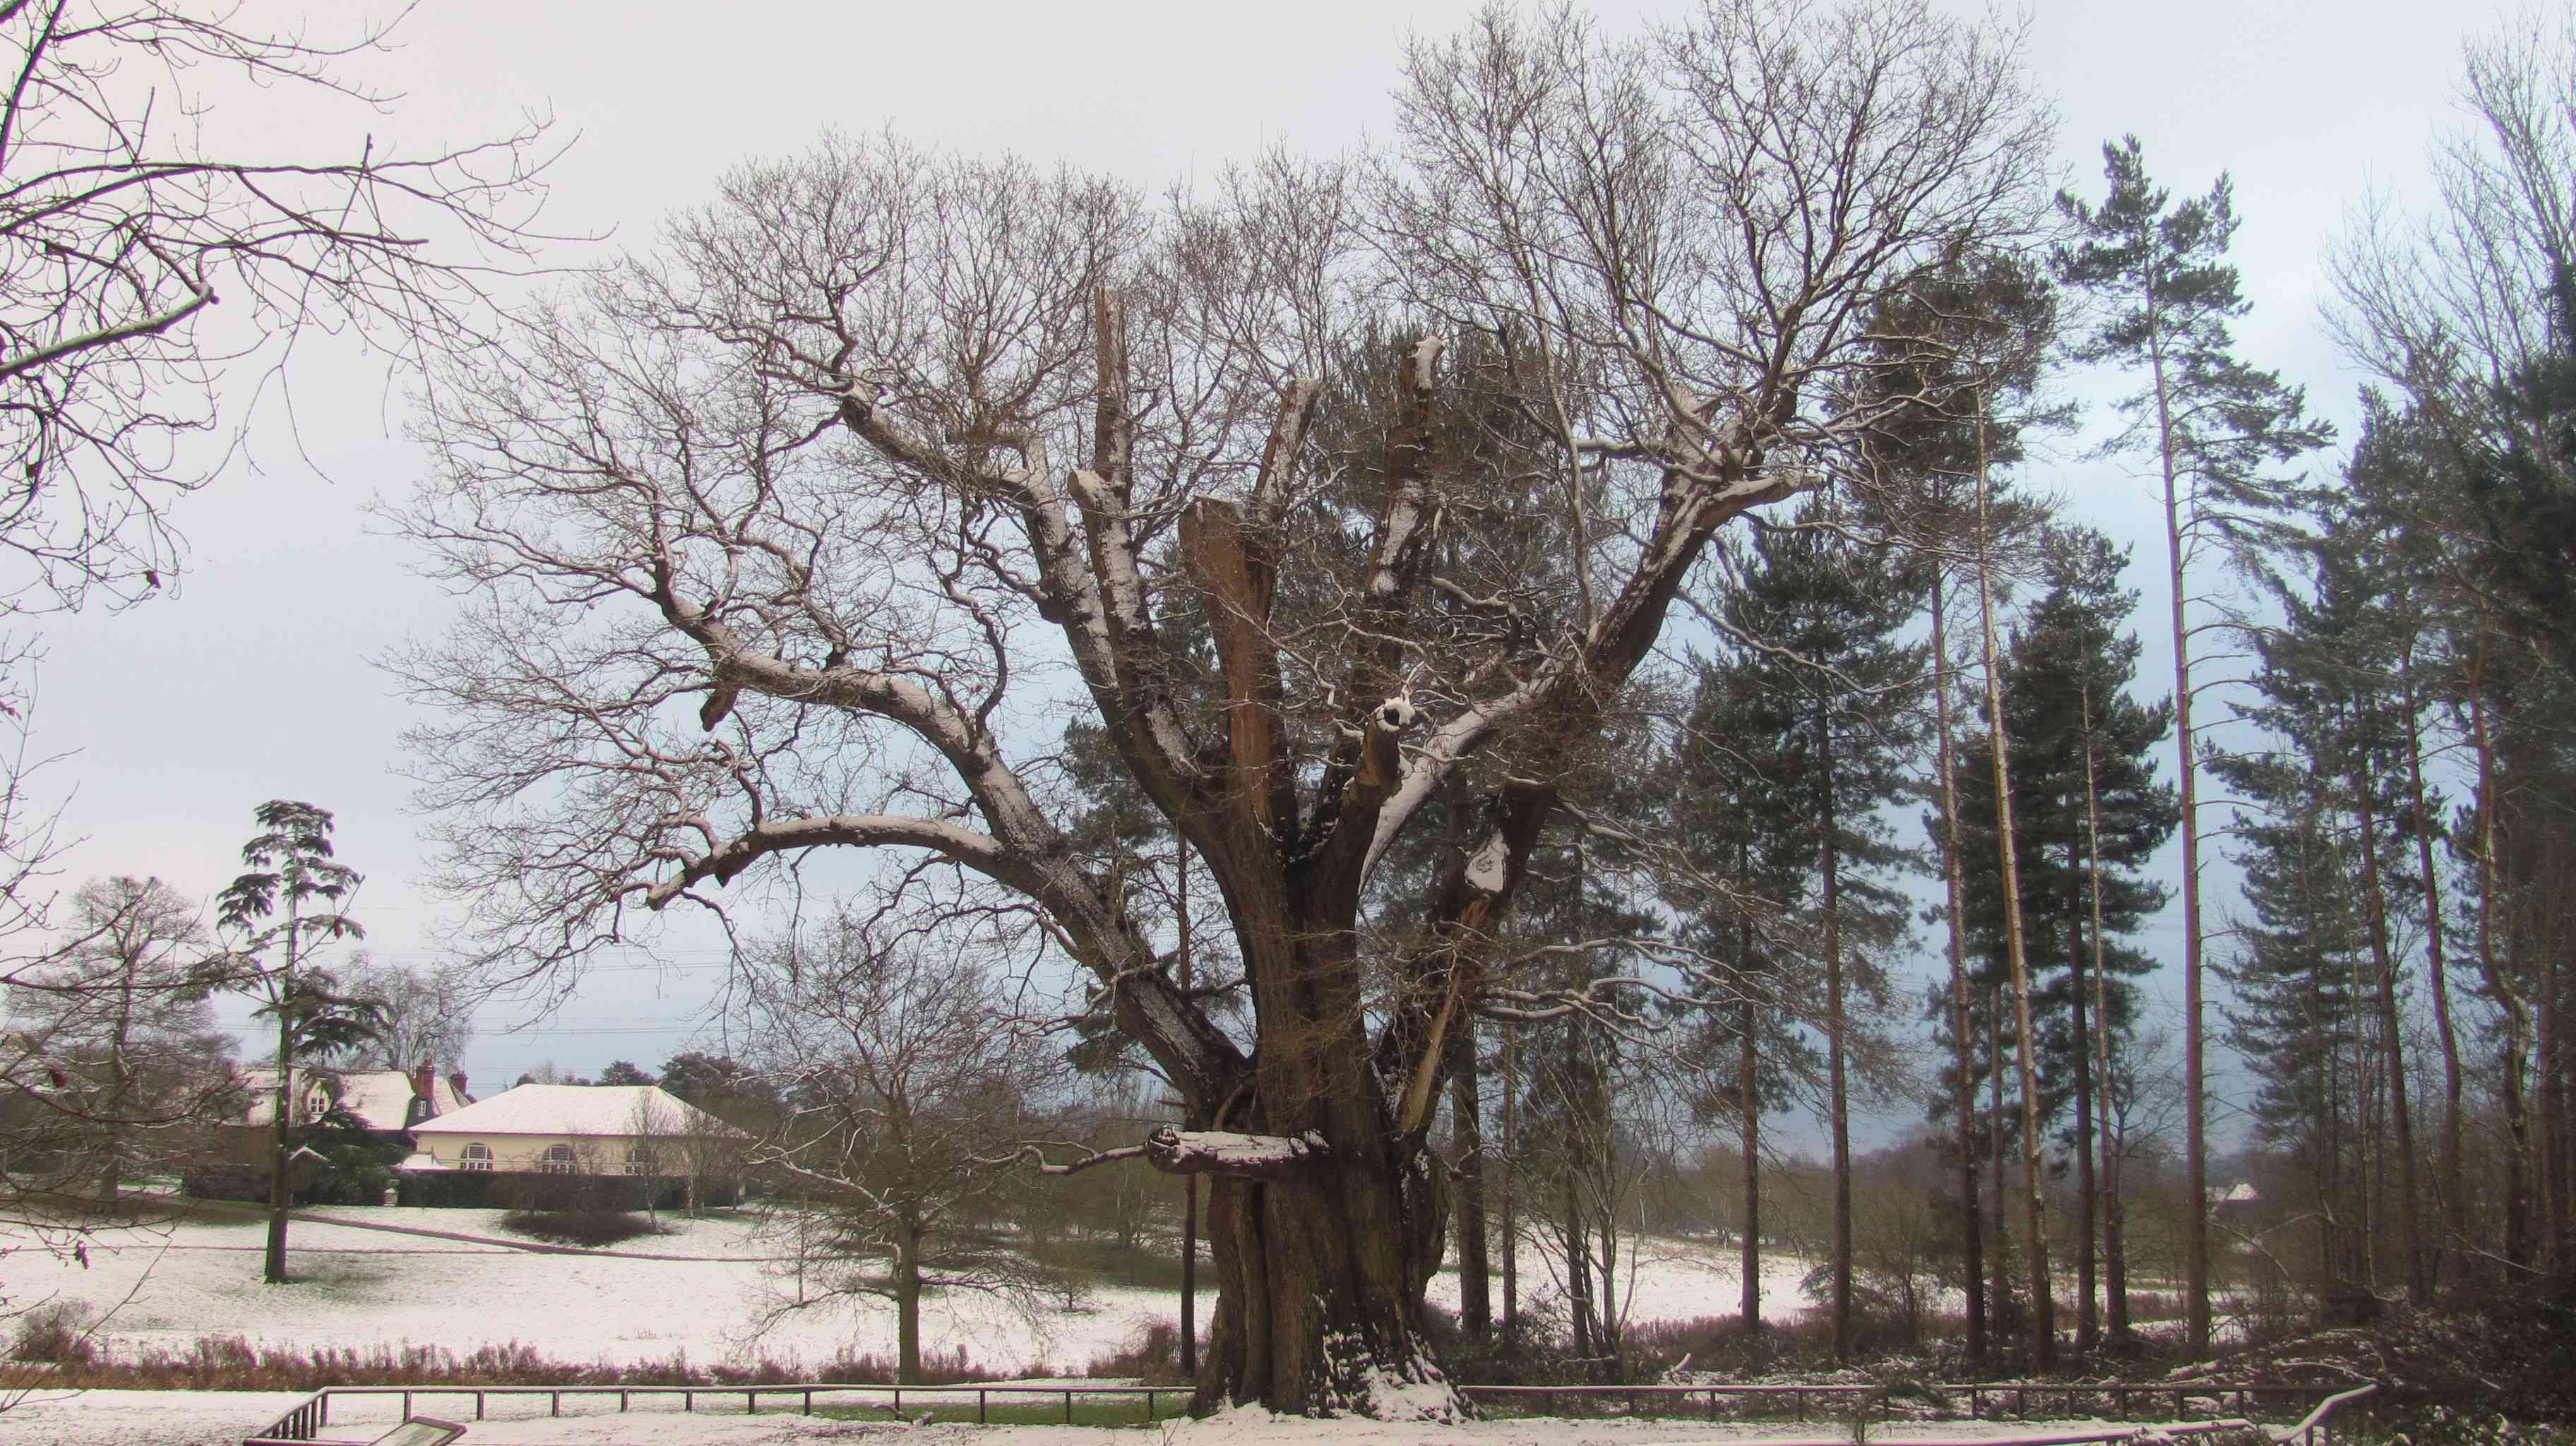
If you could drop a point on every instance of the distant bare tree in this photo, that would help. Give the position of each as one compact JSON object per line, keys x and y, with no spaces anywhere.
{"x":906,"y":1077}
{"x":111,"y":1049}
{"x":429,"y":1013}
{"x":808,"y":531}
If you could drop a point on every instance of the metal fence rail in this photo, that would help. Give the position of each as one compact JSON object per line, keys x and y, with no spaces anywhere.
{"x":2234,"y":1400}
{"x":304,"y":1425}
{"x":298,"y":1426}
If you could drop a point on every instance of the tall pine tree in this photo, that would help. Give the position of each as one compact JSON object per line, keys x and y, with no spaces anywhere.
{"x":2212,"y":426}
{"x":1819,"y":624}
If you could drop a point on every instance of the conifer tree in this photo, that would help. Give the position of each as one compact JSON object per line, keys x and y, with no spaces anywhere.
{"x":1981,"y":330}
{"x":2328,"y":693}
{"x":2088,"y":816}
{"x":1741,"y":867}
{"x":291,"y":865}
{"x":2212,"y":426}
{"x":1821,"y":620}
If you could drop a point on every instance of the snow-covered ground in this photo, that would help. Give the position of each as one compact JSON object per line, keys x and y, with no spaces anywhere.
{"x":219,"y":1418}
{"x":711,"y":1296}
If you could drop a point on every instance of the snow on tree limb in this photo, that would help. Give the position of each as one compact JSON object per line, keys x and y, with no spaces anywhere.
{"x":1239,"y":1156}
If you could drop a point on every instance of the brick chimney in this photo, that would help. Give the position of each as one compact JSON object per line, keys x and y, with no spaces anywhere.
{"x":456,"y":1082}
{"x":423,"y":1080}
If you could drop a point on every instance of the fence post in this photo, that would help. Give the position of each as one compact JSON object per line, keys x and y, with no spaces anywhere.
{"x":1068,"y":1408}
{"x":979,"y":1408}
{"x":554,"y":1404}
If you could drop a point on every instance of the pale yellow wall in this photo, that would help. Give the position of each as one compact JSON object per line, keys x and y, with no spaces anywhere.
{"x":603,"y":1154}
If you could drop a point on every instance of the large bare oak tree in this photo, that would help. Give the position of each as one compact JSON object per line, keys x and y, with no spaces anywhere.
{"x":811,"y":528}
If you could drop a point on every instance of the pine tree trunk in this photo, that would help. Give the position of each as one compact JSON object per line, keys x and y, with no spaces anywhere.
{"x":2114,"y":1247}
{"x":2043,"y":1332}
{"x":1838,"y":1100}
{"x":2452,"y":1185}
{"x":2392,"y":1046}
{"x":2088,"y":1321}
{"x":1962,"y":1045}
{"x":2514,"y":1048}
{"x":1999,"y":1294}
{"x":2196,"y":1282}
{"x":1748,"y":1104}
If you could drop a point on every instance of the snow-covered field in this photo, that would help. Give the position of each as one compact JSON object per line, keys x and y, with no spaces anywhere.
{"x":218,"y":1418}
{"x":361,"y":1288}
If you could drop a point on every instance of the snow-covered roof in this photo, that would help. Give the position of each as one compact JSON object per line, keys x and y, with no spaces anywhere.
{"x":535,"y":1109}
{"x":380,"y":1098}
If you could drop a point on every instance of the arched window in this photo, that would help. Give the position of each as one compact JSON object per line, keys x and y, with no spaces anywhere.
{"x":476,"y":1156}
{"x":558,"y":1160}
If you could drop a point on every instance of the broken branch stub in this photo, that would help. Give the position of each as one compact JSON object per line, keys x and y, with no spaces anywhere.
{"x":1242,"y":1157}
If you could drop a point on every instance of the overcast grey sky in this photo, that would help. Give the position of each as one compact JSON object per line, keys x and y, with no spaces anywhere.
{"x":254,"y":681}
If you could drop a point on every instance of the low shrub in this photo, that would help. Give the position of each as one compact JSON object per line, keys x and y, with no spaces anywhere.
{"x":593,"y":1228}
{"x":1151,"y":1356}
{"x":55,"y":1333}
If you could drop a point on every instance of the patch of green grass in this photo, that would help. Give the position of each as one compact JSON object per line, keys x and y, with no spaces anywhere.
{"x":1151,"y":1263}
{"x":1013,"y":1410}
